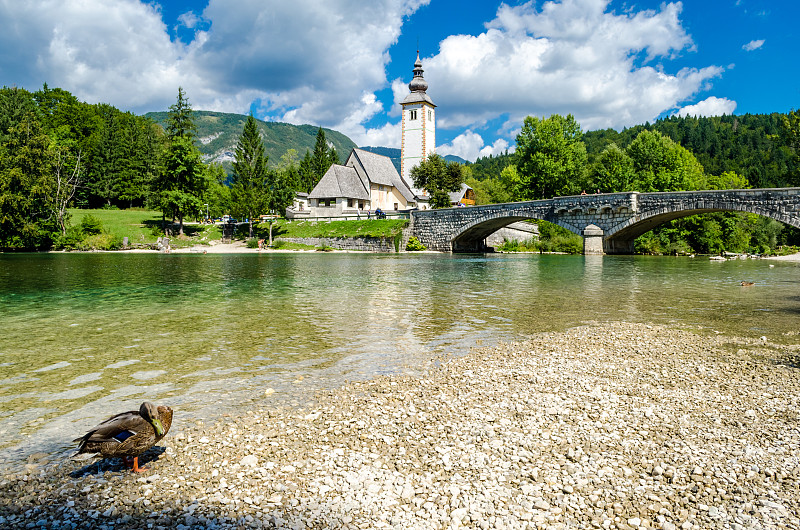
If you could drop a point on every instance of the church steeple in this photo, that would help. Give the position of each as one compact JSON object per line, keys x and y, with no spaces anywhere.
{"x":418,"y":123}
{"x":418,"y":84}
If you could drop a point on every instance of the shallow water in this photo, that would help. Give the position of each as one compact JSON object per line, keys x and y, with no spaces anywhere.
{"x":87,"y":335}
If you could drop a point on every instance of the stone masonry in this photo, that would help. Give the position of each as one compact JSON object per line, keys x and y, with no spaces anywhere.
{"x":609,"y":223}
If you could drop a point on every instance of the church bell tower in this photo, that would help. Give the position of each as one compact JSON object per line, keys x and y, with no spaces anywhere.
{"x":418,"y":124}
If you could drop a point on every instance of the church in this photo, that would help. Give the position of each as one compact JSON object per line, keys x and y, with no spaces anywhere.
{"x":367,"y":181}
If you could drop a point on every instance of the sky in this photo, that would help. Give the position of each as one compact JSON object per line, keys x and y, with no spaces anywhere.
{"x":346,"y":64}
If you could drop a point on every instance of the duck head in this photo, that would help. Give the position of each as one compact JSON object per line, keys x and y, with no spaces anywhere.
{"x":149,"y":412}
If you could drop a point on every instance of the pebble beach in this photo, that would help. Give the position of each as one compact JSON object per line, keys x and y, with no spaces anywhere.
{"x":611,"y":425}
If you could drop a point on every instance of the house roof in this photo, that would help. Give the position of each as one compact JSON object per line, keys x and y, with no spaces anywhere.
{"x":339,"y":181}
{"x":456,"y":196}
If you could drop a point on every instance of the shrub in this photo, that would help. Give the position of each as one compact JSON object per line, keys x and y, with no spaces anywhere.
{"x":91,"y":225}
{"x":252,"y":242}
{"x":100,"y":242}
{"x":414,"y":245}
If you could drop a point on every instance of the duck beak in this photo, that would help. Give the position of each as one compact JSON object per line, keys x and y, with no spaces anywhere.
{"x":158,"y":427}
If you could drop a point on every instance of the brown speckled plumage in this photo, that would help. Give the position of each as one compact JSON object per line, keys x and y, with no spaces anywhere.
{"x":127,"y":435}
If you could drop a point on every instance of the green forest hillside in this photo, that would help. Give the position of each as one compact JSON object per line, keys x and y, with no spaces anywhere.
{"x":218,"y":132}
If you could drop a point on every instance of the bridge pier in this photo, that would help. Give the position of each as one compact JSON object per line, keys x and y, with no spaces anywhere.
{"x":593,"y":240}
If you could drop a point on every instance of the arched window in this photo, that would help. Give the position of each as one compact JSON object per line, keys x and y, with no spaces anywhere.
{"x":412,"y":115}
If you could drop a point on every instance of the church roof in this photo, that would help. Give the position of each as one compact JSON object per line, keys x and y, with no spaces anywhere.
{"x":418,"y":97}
{"x":339,"y":181}
{"x":380,"y":170}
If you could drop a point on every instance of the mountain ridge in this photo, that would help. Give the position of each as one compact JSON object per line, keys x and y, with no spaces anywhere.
{"x":218,"y":133}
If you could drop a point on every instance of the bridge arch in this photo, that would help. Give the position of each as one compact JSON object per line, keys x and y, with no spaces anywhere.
{"x":471,"y":236}
{"x":619,"y":239}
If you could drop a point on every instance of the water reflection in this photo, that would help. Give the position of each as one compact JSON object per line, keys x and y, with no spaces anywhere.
{"x":85,"y":334}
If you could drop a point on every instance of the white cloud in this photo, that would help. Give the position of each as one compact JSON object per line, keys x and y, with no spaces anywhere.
{"x":470,"y":146}
{"x":117,"y":53}
{"x":753,"y":45}
{"x":712,"y":106}
{"x":574,"y":56}
{"x":308,"y":62}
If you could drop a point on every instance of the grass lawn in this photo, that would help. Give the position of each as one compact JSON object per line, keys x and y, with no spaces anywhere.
{"x":143,"y":227}
{"x":387,"y":228}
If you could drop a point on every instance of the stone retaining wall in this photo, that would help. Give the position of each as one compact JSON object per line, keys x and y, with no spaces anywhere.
{"x":365,"y":244}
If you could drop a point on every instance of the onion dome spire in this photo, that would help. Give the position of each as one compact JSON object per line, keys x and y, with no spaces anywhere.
{"x":418,"y":84}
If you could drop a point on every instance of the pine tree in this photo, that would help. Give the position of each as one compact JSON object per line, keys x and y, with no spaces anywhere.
{"x":181,"y":118}
{"x":249,"y":192}
{"x":183,"y":179}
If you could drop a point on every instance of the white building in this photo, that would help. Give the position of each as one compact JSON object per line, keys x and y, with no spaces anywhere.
{"x":366,"y":182}
{"x":418,"y":124}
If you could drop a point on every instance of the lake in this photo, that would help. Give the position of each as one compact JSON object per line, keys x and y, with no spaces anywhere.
{"x":86,"y":335}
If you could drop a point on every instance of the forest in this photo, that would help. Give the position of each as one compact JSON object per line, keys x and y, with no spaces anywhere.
{"x":57,"y":153}
{"x":554,"y":157}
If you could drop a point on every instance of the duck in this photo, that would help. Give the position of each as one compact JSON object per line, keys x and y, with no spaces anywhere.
{"x":126,"y":435}
{"x":748,"y":284}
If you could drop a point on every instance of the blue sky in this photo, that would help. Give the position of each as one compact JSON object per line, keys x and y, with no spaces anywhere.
{"x":345,"y":64}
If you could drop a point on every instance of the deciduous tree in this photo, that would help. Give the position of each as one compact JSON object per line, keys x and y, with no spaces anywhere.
{"x":551,"y":157}
{"x":439,"y":178}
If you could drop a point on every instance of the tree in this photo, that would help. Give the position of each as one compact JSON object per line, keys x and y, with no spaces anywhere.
{"x":552,"y":157}
{"x":26,"y":188}
{"x":183,"y":179}
{"x":662,"y":165}
{"x":67,"y":176}
{"x":181,"y":118}
{"x":439,"y":178}
{"x":217,"y":194}
{"x":182,"y":182}
{"x":249,"y":191}
{"x":281,"y":194}
{"x":306,"y":174}
{"x":323,"y":157}
{"x":613,"y":171}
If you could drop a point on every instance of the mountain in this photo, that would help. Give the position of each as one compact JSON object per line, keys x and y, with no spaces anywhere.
{"x":394,"y":154}
{"x":218,"y":133}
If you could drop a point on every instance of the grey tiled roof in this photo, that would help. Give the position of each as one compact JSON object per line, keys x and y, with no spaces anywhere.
{"x":456,"y":196}
{"x":339,"y":181}
{"x":353,"y":180}
{"x":418,"y":97}
{"x":379,"y":169}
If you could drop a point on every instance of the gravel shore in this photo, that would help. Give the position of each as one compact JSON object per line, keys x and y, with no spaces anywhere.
{"x":605,"y":426}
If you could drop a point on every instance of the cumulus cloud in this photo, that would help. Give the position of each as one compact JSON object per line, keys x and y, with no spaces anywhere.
{"x":116,"y":52}
{"x":574,"y":56}
{"x":470,"y":146}
{"x":308,"y":62}
{"x":712,"y":106}
{"x":753,"y":45}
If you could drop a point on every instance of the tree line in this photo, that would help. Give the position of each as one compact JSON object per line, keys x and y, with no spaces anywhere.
{"x":57,"y":152}
{"x":553,"y":157}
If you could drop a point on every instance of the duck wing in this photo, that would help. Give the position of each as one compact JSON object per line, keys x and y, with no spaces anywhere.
{"x":116,"y":429}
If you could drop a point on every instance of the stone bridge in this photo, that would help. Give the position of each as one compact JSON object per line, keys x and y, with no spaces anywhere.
{"x":609,"y":223}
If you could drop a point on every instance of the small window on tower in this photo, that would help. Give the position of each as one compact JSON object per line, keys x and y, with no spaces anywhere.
{"x":412,"y":115}
{"x":430,"y":115}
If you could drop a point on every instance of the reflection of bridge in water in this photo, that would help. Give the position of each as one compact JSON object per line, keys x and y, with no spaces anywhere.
{"x":609,"y":223}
